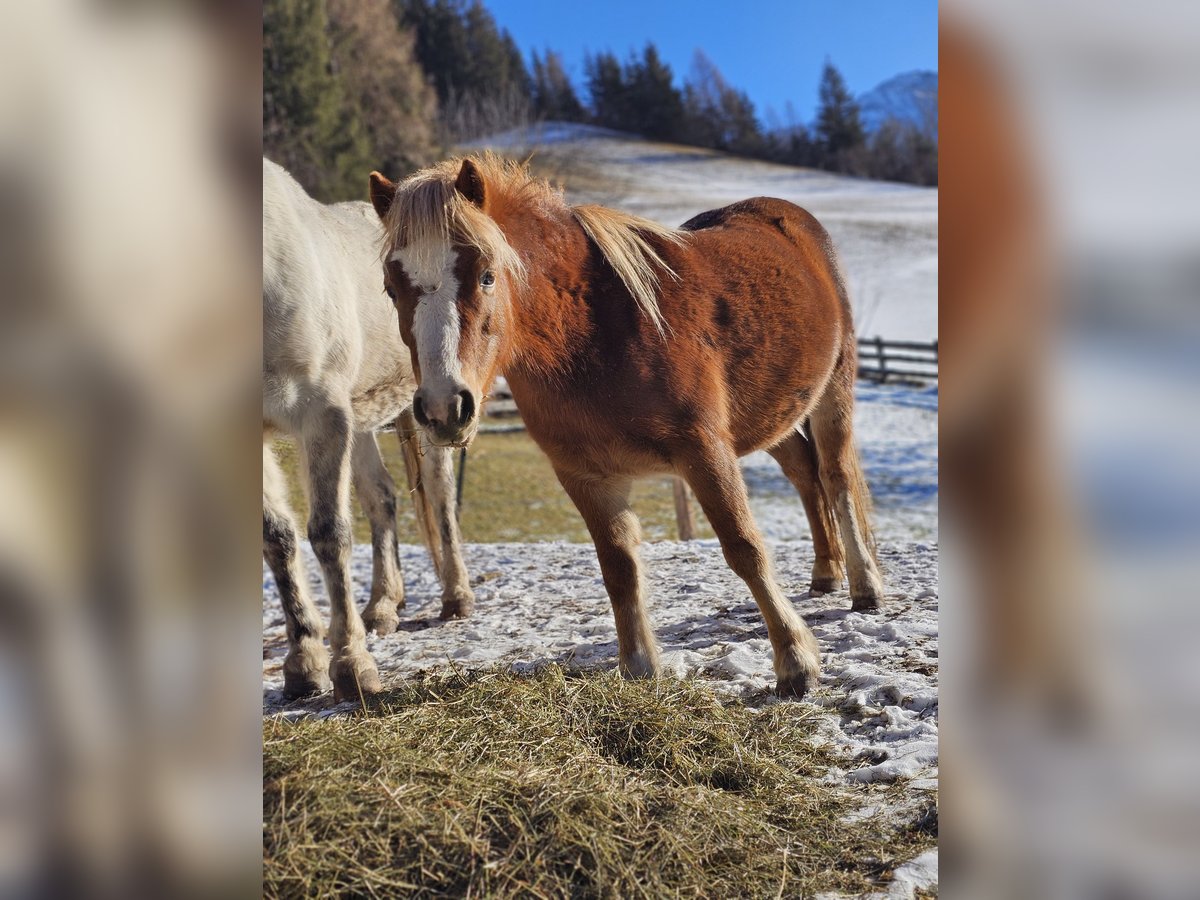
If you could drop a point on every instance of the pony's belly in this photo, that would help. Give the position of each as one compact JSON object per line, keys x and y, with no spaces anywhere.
{"x":591,"y":447}
{"x":766,"y":428}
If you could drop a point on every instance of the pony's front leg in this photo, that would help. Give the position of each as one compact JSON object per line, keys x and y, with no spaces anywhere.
{"x":327,"y":444}
{"x":377,"y":494}
{"x":604,"y":505}
{"x":437,"y":474}
{"x":712,"y":472}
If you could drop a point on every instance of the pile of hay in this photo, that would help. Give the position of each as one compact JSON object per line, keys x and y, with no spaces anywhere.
{"x":557,"y":784}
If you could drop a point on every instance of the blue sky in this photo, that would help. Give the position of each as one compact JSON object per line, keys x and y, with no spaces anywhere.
{"x":772,"y":49}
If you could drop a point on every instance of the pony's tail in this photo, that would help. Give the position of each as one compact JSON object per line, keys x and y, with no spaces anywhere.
{"x":860,"y":497}
{"x":410,"y":445}
{"x":825,"y":509}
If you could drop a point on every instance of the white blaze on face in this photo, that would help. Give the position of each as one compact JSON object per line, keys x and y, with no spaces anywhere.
{"x":435,"y":322}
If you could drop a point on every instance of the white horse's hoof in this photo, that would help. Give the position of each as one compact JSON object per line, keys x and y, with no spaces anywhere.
{"x":382,"y":620}
{"x":353,"y":676}
{"x":304,"y":672}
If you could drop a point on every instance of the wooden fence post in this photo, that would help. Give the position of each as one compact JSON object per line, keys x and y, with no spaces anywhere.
{"x":684,"y":518}
{"x":883,"y":372}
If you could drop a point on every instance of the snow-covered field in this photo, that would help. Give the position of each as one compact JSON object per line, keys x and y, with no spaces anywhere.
{"x":885,"y":233}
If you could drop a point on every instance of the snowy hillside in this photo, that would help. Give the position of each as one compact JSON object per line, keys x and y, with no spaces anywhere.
{"x":885,"y":233}
{"x":910,"y":98}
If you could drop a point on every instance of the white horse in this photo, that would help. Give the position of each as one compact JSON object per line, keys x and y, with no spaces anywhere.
{"x":334,"y":371}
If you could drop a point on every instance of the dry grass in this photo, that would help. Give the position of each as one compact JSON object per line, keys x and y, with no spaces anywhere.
{"x":510,"y":494}
{"x":557,"y":785}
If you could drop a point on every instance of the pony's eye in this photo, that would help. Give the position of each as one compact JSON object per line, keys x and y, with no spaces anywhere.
{"x":487,"y":279}
{"x":387,"y":290}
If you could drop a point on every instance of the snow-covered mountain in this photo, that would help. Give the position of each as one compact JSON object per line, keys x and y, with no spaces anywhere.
{"x":910,"y":97}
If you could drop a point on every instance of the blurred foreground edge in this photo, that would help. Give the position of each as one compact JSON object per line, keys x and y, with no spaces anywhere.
{"x":130,"y":344}
{"x":1060,"y":740}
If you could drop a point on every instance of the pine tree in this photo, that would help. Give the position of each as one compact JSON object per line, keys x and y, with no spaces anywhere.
{"x":375,"y":59}
{"x":607,"y":90}
{"x":839,"y":129}
{"x":309,"y":124}
{"x":476,"y":68}
{"x":441,"y":42}
{"x":717,"y":115}
{"x":655,"y":104}
{"x":553,"y":94}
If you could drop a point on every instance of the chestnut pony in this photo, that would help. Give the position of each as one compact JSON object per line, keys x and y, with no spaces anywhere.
{"x":634,"y":349}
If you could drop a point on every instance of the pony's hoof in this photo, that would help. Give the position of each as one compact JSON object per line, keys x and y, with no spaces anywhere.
{"x":457,"y":604}
{"x":354,"y":676}
{"x":640,"y":664}
{"x":825,"y":585}
{"x":383,"y":621}
{"x":796,"y":672}
{"x":304,"y":673}
{"x":865,"y":603}
{"x":826,"y":577}
{"x":792,"y":688}
{"x":867,"y":594}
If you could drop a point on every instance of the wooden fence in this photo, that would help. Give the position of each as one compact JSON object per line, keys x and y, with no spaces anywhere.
{"x":881,"y":361}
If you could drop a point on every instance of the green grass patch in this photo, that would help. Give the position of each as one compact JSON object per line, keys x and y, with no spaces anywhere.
{"x":510,"y":494}
{"x":557,"y":784}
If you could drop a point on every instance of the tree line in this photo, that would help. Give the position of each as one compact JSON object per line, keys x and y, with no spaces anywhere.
{"x":351,"y":85}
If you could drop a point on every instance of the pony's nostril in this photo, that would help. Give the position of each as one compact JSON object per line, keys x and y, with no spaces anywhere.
{"x":467,"y":407}
{"x":419,"y":410}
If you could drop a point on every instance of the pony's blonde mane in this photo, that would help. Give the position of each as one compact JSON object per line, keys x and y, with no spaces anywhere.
{"x":622,"y":240}
{"x":427,"y":212}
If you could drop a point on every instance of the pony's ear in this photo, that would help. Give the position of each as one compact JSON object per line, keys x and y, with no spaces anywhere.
{"x":470,"y":184}
{"x":382,"y":193}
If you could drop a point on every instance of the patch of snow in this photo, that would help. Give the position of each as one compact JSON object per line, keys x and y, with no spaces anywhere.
{"x":917,"y":874}
{"x":896,"y":431}
{"x":885,"y":233}
{"x":544,"y":603}
{"x":542,"y":134}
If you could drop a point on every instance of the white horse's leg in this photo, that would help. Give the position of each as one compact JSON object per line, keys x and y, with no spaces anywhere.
{"x":377,"y":494}
{"x":437,"y":474}
{"x":327,"y":444}
{"x":304,"y":670}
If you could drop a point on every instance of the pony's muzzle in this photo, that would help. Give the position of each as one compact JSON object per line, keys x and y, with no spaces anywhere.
{"x":447,"y":415}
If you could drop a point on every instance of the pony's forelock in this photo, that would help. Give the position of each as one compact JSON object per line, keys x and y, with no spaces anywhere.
{"x":427,"y":213}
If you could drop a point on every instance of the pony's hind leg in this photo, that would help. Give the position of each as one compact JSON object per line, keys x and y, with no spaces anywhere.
{"x":377,"y":494}
{"x":846,"y":490}
{"x":307,"y":662}
{"x":714,"y":476}
{"x":797,"y":457}
{"x":604,"y":505}
{"x":437,"y":474}
{"x":327,"y":444}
